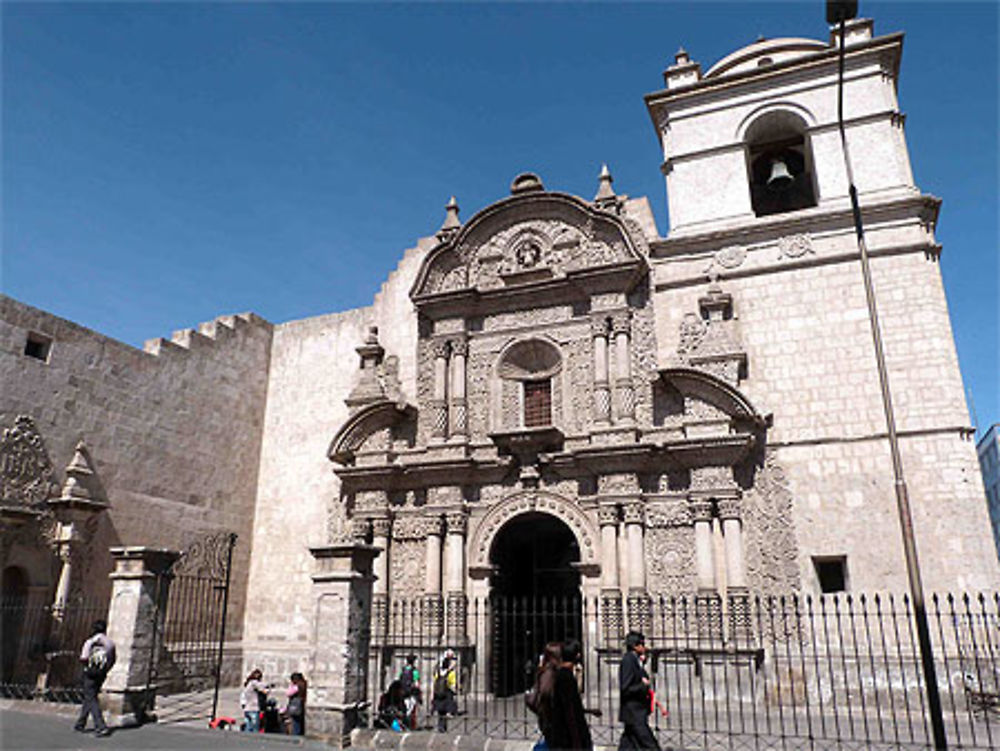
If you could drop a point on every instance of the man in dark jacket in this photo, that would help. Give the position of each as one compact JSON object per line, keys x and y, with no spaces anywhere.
{"x":633,"y":710}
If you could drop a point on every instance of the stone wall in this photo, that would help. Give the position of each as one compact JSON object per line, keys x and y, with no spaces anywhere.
{"x":811,"y":364}
{"x":313,"y":368}
{"x":174,"y":431}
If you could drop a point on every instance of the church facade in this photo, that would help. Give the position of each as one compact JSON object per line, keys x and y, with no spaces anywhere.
{"x":551,"y":398}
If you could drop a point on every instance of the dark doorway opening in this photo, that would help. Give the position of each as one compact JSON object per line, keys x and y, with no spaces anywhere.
{"x":12,"y":613}
{"x":535,"y":596}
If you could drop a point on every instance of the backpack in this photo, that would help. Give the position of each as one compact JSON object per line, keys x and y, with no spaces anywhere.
{"x":97,"y":662}
{"x":441,"y":689}
{"x":406,"y":680}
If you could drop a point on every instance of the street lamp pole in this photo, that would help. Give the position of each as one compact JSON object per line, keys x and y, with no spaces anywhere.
{"x":838,"y":12}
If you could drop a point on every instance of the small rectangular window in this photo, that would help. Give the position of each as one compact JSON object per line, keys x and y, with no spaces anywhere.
{"x":537,"y":403}
{"x":831,"y":573}
{"x":38,"y":346}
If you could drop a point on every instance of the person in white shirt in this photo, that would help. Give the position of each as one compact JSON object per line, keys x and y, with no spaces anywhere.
{"x":98,"y":657}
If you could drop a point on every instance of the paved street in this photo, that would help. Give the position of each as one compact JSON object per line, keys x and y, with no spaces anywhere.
{"x":40,"y":729}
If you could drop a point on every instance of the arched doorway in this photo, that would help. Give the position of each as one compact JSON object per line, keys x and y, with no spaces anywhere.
{"x":535,"y":596}
{"x":12,"y":614}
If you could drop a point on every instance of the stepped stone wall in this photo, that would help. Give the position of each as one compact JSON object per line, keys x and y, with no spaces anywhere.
{"x":174,"y":431}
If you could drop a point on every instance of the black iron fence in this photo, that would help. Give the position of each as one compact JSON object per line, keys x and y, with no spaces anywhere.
{"x":794,"y":672}
{"x":41,"y":646}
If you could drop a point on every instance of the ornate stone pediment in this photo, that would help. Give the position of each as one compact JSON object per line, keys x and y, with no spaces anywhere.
{"x":530,"y":237}
{"x":374,"y":428}
{"x":26,"y":477}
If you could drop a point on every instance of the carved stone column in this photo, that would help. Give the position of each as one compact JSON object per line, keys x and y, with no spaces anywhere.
{"x":457,"y":523}
{"x":439,"y":402}
{"x":602,"y":391}
{"x":338,"y":684}
{"x":140,"y":585}
{"x":612,"y":623}
{"x":433,"y":604}
{"x":381,"y":527}
{"x":708,"y":608}
{"x":639,"y":615}
{"x":737,"y":595}
{"x":459,"y":407}
{"x":621,"y":325}
{"x":75,"y":506}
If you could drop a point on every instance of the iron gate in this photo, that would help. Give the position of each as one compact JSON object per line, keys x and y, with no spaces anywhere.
{"x":190,"y":632}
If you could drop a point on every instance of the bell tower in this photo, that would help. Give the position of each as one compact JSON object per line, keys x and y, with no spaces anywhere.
{"x":760,"y":215}
{"x":756,"y":135}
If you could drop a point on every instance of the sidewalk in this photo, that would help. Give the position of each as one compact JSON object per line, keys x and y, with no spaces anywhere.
{"x":39,"y":727}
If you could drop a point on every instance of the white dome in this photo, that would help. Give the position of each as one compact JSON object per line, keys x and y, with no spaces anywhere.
{"x":765,"y":52}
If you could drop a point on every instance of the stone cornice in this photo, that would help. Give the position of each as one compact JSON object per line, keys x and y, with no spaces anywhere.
{"x":724,"y":450}
{"x":755,"y":230}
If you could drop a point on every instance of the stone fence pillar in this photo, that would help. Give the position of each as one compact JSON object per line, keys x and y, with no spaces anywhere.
{"x":140,"y":585}
{"x":342,"y":595}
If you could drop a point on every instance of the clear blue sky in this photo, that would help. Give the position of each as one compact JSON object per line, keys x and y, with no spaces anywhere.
{"x":167,"y":163}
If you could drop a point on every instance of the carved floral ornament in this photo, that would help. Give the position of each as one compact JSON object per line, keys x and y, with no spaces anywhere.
{"x":533,"y":502}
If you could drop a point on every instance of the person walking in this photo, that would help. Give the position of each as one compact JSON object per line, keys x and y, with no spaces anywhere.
{"x":445,"y":690}
{"x":567,"y":726}
{"x":634,"y":704}
{"x":409,"y":683}
{"x":252,"y":700}
{"x":540,"y":698}
{"x":98,"y":657}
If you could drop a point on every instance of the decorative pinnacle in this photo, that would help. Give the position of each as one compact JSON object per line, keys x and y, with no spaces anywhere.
{"x":604,"y":190}
{"x":681,"y":56}
{"x":451,"y":220}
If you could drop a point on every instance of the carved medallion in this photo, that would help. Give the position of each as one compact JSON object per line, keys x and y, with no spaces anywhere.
{"x":795,"y":246}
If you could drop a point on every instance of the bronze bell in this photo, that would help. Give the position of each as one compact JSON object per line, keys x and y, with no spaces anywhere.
{"x":781,"y":179}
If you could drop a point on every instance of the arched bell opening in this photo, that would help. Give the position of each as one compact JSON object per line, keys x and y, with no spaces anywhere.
{"x":534,"y":596}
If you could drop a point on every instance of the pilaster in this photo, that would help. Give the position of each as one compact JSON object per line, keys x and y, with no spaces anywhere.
{"x":342,"y":596}
{"x":140,"y":586}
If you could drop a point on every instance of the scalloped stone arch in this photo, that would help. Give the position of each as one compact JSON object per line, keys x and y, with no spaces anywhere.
{"x":534,"y":501}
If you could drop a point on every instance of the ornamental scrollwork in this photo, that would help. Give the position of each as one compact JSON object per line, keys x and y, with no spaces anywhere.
{"x":207,"y":556}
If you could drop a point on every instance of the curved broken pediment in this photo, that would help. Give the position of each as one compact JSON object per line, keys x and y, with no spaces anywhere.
{"x":700,"y":386}
{"x":530,"y":237}
{"x":382,"y":420}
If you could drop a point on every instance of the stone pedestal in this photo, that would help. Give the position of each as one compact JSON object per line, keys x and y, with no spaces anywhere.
{"x":342,"y":594}
{"x":140,"y":585}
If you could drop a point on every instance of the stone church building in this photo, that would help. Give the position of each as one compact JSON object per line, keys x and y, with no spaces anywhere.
{"x":549,"y":396}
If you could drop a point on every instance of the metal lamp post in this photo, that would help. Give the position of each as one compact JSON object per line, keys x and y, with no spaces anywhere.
{"x":837,"y":12}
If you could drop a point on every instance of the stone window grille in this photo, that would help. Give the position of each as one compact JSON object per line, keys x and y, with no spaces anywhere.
{"x":38,"y":346}
{"x":537,"y":403}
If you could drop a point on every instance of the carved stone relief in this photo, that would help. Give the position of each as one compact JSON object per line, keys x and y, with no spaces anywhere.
{"x":670,"y":560}
{"x":769,"y":531}
{"x":26,"y":476}
{"x":406,"y":562}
